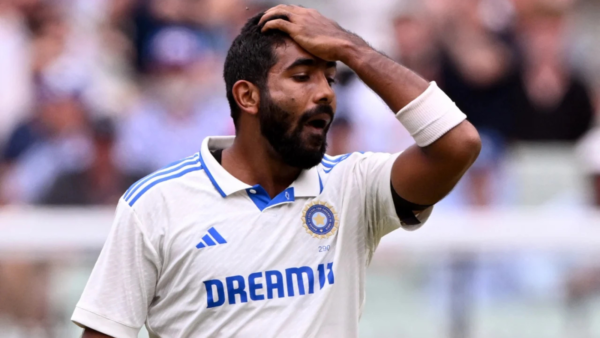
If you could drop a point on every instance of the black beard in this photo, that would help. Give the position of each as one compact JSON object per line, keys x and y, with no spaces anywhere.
{"x":276,"y":126}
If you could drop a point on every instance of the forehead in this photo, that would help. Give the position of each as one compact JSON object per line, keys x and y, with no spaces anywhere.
{"x":289,"y":52}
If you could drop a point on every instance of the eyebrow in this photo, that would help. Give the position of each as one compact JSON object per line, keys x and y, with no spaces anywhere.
{"x":310,"y":62}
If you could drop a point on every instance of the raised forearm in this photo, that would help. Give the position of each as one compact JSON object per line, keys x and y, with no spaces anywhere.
{"x":425,"y":175}
{"x":447,"y":145}
{"x":394,"y":83}
{"x":325,"y":39}
{"x":422,"y":174}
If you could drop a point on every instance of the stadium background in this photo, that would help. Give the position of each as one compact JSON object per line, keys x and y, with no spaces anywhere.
{"x":97,"y":93}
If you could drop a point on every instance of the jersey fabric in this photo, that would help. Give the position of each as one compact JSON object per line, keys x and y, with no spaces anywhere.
{"x":194,"y":252}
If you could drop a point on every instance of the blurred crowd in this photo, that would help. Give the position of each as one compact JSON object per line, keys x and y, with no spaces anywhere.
{"x":95,"y":94}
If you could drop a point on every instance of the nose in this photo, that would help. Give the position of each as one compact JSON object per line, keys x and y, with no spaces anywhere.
{"x":325,"y":93}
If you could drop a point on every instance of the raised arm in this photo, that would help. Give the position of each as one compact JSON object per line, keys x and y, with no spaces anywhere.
{"x":447,"y":144}
{"x":421,"y":175}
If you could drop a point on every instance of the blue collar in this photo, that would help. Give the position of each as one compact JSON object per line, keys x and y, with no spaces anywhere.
{"x":308,"y":184}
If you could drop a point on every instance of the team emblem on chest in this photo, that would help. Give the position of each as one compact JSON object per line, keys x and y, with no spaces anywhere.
{"x":320,"y":219}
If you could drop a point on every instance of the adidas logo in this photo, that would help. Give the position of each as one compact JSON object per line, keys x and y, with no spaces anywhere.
{"x":212,"y":238}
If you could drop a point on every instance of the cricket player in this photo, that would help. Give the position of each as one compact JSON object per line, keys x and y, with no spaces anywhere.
{"x":262,"y":234}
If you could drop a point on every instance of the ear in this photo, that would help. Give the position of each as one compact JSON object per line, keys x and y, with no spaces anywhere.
{"x":247,"y":96}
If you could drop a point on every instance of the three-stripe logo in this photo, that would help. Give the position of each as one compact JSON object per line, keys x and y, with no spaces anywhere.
{"x":212,"y":238}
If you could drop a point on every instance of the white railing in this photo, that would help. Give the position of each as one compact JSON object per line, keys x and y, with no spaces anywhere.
{"x":64,"y":230}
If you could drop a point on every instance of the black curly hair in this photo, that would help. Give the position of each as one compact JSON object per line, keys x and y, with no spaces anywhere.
{"x":250,"y":57}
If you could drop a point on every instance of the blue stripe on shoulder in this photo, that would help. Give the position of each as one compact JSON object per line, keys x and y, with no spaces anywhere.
{"x":167,"y":178}
{"x":132,"y":186}
{"x":165,"y":171}
{"x":327,"y":165}
{"x":330,"y":162}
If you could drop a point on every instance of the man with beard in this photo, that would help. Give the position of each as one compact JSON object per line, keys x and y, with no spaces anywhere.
{"x":261,"y":234}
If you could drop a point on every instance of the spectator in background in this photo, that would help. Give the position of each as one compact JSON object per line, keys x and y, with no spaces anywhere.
{"x":100,"y":183}
{"x":40,"y":149}
{"x":54,"y":137}
{"x":416,"y":43}
{"x":467,"y":46}
{"x":180,"y":104}
{"x":15,"y":87}
{"x":551,"y":102}
{"x":478,"y":59}
{"x":104,"y":38}
{"x":214,"y":22}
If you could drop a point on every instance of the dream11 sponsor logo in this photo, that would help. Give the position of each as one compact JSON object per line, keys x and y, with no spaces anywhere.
{"x":267,"y":285}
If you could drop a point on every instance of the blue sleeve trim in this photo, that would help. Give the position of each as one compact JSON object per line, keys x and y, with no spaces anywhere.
{"x":158,"y":180}
{"x":329,"y":162}
{"x":163,"y":172}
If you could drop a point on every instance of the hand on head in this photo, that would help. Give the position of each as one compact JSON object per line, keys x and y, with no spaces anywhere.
{"x":320,"y":36}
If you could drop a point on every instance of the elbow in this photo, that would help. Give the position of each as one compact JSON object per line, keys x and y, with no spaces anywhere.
{"x":467,"y":146}
{"x":472,"y":145}
{"x":459,"y":148}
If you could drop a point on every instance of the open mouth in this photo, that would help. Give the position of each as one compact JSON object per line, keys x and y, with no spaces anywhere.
{"x":320,"y":121}
{"x":319,"y":124}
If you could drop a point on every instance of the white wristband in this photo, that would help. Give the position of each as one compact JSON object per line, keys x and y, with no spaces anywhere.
{"x":430,"y":115}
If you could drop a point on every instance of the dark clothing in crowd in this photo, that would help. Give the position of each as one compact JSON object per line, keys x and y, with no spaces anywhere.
{"x":21,"y":139}
{"x":505,"y":109}
{"x":79,"y":189}
{"x":566,"y":121}
{"x":487,"y":107}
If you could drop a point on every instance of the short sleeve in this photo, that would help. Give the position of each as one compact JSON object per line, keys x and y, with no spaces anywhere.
{"x":373,"y":172}
{"x":117,"y":295}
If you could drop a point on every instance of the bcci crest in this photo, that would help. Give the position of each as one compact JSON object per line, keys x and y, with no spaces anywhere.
{"x":320,"y":219}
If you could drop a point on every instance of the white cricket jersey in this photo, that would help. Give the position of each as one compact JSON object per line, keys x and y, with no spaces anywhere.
{"x":194,"y":252}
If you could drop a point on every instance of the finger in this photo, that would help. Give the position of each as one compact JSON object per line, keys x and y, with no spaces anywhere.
{"x":299,"y":10}
{"x":269,"y":11}
{"x":280,"y":24}
{"x":295,"y":8}
{"x":274,"y":12}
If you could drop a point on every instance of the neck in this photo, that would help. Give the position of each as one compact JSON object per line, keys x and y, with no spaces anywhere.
{"x":255,"y":162}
